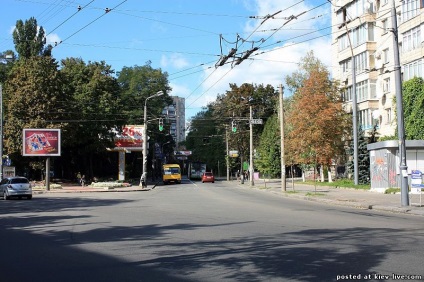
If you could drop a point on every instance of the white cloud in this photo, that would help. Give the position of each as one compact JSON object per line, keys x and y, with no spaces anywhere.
{"x":53,"y":39}
{"x":175,"y":60}
{"x":273,"y":61}
{"x":271,"y":68}
{"x":179,"y":90}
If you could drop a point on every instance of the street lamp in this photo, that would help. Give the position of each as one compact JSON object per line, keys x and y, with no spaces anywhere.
{"x":143,"y":181}
{"x":4,"y":60}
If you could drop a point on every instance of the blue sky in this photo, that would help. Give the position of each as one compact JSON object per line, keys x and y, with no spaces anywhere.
{"x":184,"y":38}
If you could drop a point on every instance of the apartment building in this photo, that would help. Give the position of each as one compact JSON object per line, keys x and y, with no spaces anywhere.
{"x":175,"y":115}
{"x":362,"y":32}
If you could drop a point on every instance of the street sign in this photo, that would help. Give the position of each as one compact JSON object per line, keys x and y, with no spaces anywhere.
{"x":234,"y":154}
{"x":256,"y":121}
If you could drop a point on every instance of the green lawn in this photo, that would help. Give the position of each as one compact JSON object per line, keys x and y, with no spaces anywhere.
{"x":341,"y":183}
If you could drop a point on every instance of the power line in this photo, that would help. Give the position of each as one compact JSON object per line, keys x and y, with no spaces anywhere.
{"x":107,"y":10}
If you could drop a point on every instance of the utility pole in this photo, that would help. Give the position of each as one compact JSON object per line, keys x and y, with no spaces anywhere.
{"x":354,"y":116}
{"x":283,"y":164}
{"x":252,"y":183}
{"x":228,"y":157}
{"x":143,"y":180}
{"x":399,"y":112}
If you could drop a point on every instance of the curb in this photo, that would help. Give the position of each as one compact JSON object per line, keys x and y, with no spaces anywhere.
{"x":349,"y":204}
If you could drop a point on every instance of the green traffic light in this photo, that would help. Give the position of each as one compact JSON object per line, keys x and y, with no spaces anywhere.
{"x":160,"y":127}
{"x":234,"y":129}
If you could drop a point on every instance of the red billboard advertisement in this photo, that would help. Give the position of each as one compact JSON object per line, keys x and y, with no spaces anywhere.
{"x":41,"y":142}
{"x":130,"y":138}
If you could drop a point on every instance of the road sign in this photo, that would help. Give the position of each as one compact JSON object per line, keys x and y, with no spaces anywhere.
{"x":256,"y":121}
{"x":234,"y":154}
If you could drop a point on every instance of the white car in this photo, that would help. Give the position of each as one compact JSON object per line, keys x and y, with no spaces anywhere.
{"x":15,"y":187}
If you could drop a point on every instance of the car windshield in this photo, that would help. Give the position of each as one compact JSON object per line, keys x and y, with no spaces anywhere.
{"x":208,"y":174}
{"x":18,"y":180}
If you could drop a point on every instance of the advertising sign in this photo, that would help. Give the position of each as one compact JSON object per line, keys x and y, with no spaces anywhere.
{"x":41,"y":142}
{"x":182,"y":153}
{"x":416,"y":181}
{"x":234,"y":154}
{"x":131,"y":137}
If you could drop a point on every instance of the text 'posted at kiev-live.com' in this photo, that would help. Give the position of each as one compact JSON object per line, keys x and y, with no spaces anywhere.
{"x":376,"y":276}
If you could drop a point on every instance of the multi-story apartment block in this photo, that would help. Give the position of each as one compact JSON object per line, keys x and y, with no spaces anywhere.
{"x":175,"y":114}
{"x":363,"y":33}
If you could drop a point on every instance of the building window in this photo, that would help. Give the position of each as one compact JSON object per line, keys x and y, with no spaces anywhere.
{"x":411,"y":39}
{"x":358,"y":36}
{"x":347,"y":94}
{"x":386,"y":85}
{"x":410,"y":9}
{"x":345,"y":66}
{"x":366,"y":120}
{"x":362,"y":90}
{"x":386,"y":56}
{"x":385,"y":25}
{"x":361,"y":61}
{"x":413,"y":69}
{"x":388,"y":116}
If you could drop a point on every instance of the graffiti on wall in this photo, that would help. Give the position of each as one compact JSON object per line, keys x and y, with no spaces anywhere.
{"x":379,"y":169}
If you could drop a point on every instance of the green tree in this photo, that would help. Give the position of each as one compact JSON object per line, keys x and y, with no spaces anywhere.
{"x":138,"y":83}
{"x":235,"y":105}
{"x":29,"y":39}
{"x":7,"y":60}
{"x":94,"y":110}
{"x":34,"y":99}
{"x":363,"y":155}
{"x":413,"y":105}
{"x":306,"y":66}
{"x":269,"y":151}
{"x":318,"y":121}
{"x":206,"y":140}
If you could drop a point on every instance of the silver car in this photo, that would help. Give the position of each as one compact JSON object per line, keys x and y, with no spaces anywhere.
{"x":15,"y":187}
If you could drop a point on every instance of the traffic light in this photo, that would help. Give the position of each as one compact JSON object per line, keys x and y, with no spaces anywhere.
{"x":234,"y":126}
{"x":160,"y":124}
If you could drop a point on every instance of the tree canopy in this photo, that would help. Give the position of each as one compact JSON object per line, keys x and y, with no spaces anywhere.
{"x":413,"y":105}
{"x":318,"y":122}
{"x":30,"y":39}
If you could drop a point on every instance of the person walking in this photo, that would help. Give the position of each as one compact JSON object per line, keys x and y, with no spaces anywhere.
{"x":83,"y":180}
{"x":79,"y":178}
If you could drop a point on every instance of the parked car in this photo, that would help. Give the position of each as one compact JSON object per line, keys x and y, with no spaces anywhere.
{"x":208,"y":177}
{"x":15,"y":187}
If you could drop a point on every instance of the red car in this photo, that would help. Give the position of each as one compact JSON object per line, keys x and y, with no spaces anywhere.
{"x":208,"y":177}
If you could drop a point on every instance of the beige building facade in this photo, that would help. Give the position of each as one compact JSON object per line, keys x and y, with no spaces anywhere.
{"x":363,"y":30}
{"x":175,"y":114}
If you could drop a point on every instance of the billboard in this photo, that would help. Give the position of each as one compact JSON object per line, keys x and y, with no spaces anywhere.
{"x":41,"y":142}
{"x":130,"y":138}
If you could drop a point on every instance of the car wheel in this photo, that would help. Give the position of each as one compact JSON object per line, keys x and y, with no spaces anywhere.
{"x":5,"y":196}
{"x":29,"y":197}
{"x":213,"y":181}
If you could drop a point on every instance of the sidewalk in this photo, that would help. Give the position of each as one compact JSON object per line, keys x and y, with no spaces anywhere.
{"x":347,"y":197}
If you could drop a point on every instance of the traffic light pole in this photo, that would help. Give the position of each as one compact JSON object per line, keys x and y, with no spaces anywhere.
{"x":143,"y":180}
{"x":252,"y":183}
{"x":403,"y":168}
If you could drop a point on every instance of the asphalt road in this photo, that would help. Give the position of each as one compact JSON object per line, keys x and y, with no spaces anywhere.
{"x":202,"y":232}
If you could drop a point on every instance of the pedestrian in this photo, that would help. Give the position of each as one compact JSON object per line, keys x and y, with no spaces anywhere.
{"x":79,"y":177}
{"x":83,"y":180}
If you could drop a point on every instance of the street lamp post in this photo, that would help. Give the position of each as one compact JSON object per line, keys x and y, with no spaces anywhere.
{"x":143,"y":181}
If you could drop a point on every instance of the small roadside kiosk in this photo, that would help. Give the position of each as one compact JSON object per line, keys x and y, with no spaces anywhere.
{"x":384,"y":164}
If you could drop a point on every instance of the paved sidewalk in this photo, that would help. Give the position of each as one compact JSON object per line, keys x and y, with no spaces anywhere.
{"x":325,"y":194}
{"x":349,"y":197}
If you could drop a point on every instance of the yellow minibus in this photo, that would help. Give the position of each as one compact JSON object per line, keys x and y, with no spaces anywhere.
{"x":171,"y":173}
